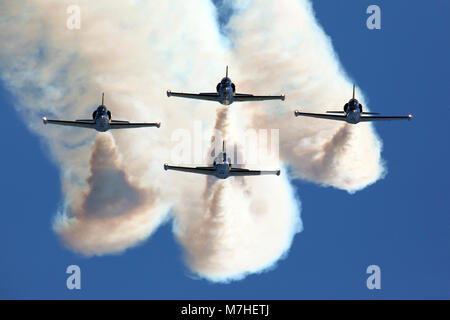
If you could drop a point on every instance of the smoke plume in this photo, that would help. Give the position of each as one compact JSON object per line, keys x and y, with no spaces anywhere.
{"x":116,"y":192}
{"x":281,"y":47}
{"x":114,"y":213}
{"x":245,"y":223}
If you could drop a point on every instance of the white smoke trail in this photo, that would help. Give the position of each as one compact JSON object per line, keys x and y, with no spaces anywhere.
{"x":114,"y":213}
{"x":245,"y":228}
{"x":134,"y":50}
{"x":277,"y":43}
{"x":245,"y":225}
{"x":280,"y":46}
{"x":130,"y":51}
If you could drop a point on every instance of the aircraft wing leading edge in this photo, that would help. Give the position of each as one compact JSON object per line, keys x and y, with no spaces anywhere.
{"x":250,"y":97}
{"x":247,"y":172}
{"x":200,"y":170}
{"x":126,"y":125}
{"x":212,"y":96}
{"x":78,"y":123}
{"x":381,"y":118}
{"x":321,"y":115}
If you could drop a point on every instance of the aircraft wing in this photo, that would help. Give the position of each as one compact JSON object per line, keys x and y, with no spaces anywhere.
{"x":381,"y":118}
{"x":211,"y":96}
{"x":199,"y":170}
{"x":250,"y":97}
{"x":321,"y":115}
{"x":247,"y":172}
{"x":77,"y":123}
{"x":118,"y":124}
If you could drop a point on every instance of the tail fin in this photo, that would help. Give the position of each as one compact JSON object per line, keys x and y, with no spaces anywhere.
{"x":353,"y":91}
{"x":226,"y":73}
{"x":224,"y":152}
{"x":103,"y":98}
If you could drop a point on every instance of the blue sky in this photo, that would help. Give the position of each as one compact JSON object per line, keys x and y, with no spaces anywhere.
{"x":401,"y":223}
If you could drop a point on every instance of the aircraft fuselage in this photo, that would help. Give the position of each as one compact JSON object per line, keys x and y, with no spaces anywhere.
{"x":222,"y":170}
{"x":225,"y":89}
{"x":102,"y":118}
{"x":222,"y":166}
{"x":353,"y":111}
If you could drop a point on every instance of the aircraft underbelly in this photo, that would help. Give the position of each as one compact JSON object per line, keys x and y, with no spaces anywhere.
{"x":226,"y":98}
{"x":222,"y":171}
{"x":102,"y":125}
{"x":353,"y":117}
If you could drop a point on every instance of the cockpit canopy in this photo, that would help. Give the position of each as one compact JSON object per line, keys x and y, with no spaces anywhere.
{"x":101,"y":110}
{"x":353,"y":104}
{"x":225,"y":82}
{"x":222,"y":159}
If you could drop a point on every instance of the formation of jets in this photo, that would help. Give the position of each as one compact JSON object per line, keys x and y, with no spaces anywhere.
{"x":225,"y":94}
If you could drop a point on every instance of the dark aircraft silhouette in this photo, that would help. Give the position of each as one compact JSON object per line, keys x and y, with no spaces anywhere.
{"x":353,"y":113}
{"x":221,"y":168}
{"x":101,"y":121}
{"x":225,"y":94}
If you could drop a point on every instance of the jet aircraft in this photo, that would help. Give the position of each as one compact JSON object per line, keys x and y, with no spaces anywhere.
{"x":101,"y":121}
{"x":353,"y":113}
{"x":225,"y":94}
{"x":221,"y":168}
